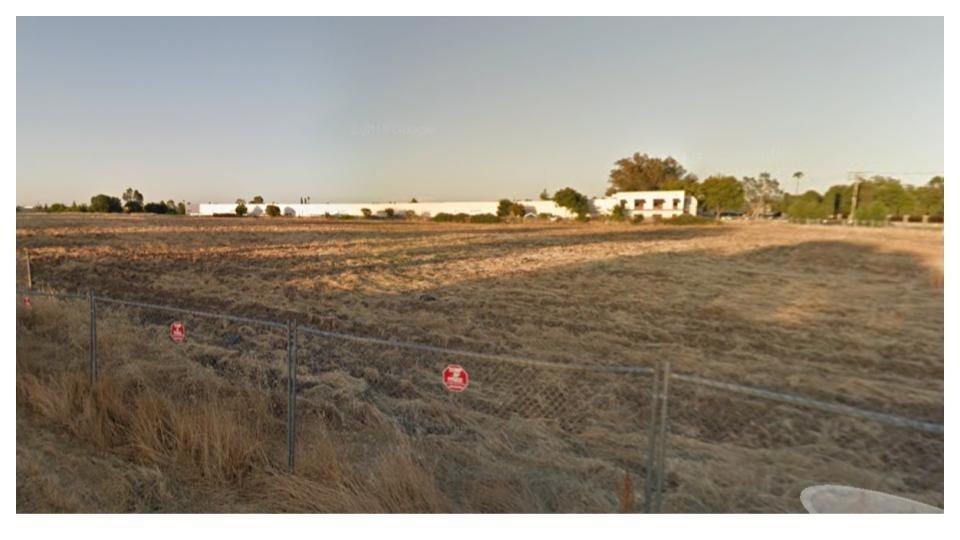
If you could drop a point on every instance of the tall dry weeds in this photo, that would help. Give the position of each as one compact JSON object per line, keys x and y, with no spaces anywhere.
{"x":203,"y":432}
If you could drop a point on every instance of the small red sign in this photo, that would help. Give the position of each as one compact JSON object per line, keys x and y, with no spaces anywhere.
{"x":455,"y":378}
{"x":178,"y":332}
{"x":27,"y":303}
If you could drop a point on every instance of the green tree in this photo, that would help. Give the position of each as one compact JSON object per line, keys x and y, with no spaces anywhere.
{"x":413,"y":200}
{"x":807,"y":206}
{"x":892,"y":194}
{"x":105,"y":203}
{"x":837,"y":200}
{"x":132,"y":207}
{"x":574,"y":201}
{"x":132,"y":195}
{"x":241,"y":209}
{"x":544,"y":195}
{"x":273,"y":210}
{"x":875,"y":211}
{"x":155,"y":208}
{"x":641,"y":172}
{"x":367,"y":213}
{"x":181,"y":208}
{"x":929,"y":198}
{"x":503,"y":207}
{"x":689,"y":183}
{"x":257,"y":199}
{"x":721,"y":192}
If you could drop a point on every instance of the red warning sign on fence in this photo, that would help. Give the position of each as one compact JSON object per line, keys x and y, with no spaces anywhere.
{"x":178,"y":332}
{"x":455,"y":378}
{"x":27,"y":303}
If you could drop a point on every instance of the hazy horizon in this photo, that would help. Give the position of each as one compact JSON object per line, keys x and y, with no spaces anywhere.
{"x":380,"y":109}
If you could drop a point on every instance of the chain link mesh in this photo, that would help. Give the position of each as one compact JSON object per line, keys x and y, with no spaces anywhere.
{"x":735,"y":453}
{"x":547,"y":439}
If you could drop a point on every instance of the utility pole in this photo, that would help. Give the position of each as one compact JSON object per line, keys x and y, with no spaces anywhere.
{"x":857,"y":179}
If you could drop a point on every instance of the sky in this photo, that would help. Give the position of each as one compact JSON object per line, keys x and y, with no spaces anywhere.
{"x":386,"y":109}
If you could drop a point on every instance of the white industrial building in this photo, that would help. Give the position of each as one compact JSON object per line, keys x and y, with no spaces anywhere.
{"x":664,"y":204}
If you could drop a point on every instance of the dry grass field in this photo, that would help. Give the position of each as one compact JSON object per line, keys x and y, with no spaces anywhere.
{"x":852,"y":315}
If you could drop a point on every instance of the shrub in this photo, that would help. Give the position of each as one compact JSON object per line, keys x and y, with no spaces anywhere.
{"x":619,"y":213}
{"x":443,"y":217}
{"x":518,"y":210}
{"x":687,"y":219}
{"x":503,"y":207}
{"x":241,"y":209}
{"x":389,"y":212}
{"x":545,"y":215}
{"x":156,"y":208}
{"x":272,"y":210}
{"x":484,"y":218}
{"x":105,"y":203}
{"x":574,"y":201}
{"x":637,"y":219}
{"x":367,"y":213}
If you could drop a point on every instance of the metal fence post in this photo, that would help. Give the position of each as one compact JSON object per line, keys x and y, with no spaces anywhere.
{"x":652,"y":446}
{"x":29,"y":273}
{"x":661,"y":462}
{"x":93,"y":337}
{"x":291,"y":393}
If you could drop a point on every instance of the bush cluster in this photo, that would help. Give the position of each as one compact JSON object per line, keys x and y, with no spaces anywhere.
{"x":444,"y":217}
{"x":619,"y":213}
{"x":484,"y":218}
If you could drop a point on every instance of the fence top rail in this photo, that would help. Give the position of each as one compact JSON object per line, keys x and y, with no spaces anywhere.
{"x":25,"y":292}
{"x":832,"y":407}
{"x":839,"y":408}
{"x":197,"y":312}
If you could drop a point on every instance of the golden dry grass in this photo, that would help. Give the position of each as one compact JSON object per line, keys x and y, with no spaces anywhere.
{"x":854,"y":315}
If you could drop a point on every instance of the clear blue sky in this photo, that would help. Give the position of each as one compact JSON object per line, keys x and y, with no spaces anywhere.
{"x":377,"y":109}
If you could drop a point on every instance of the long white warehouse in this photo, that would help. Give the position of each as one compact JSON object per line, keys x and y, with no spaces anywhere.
{"x":646,"y":203}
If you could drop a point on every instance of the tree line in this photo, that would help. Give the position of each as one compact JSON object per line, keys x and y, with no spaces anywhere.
{"x":129,"y":202}
{"x":877,"y":197}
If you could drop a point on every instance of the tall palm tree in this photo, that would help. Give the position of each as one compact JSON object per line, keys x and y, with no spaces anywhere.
{"x":798,"y":176}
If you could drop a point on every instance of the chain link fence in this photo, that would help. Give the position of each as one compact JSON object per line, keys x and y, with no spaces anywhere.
{"x":740,"y":449}
{"x":504,"y":434}
{"x":521,"y":436}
